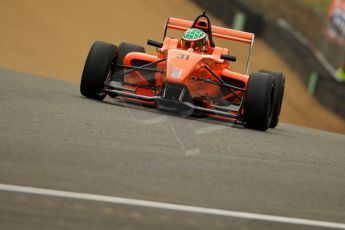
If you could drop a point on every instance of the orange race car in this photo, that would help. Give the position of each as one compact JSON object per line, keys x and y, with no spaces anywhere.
{"x":189,"y":75}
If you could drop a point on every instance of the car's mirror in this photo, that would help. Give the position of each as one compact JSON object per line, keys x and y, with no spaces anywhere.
{"x":154,"y":43}
{"x":228,"y":57}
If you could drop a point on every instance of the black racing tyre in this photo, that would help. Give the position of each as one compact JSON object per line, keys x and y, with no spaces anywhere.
{"x":123,"y":49}
{"x":198,"y":114}
{"x":97,"y":67}
{"x":279,"y":86}
{"x":258,"y":102}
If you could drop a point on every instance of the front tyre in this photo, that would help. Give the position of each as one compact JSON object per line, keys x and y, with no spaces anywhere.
{"x":279,"y":86}
{"x":97,"y":67}
{"x":258,"y":102}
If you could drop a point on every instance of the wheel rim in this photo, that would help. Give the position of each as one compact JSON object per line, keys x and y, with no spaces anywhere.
{"x":281,"y":101}
{"x":270,"y":103}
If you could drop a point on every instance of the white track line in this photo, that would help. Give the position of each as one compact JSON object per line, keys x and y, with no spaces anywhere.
{"x":168,"y":206}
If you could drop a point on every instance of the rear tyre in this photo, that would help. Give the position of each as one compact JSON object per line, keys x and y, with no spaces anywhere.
{"x":279,"y":86}
{"x":196,"y":113}
{"x":258,"y":102}
{"x":123,"y":49}
{"x":97,"y":67}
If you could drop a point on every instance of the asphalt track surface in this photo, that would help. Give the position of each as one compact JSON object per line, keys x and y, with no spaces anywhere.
{"x":53,"y":138}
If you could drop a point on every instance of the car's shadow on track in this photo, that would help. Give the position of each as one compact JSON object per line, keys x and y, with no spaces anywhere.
{"x":139,"y":107}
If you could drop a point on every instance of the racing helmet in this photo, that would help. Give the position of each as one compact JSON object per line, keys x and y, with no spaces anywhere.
{"x":196,"y":39}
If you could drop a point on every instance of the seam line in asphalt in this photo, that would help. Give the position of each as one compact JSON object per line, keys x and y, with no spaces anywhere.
{"x":169,"y":206}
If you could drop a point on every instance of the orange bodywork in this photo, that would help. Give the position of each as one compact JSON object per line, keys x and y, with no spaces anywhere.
{"x":188,"y":68}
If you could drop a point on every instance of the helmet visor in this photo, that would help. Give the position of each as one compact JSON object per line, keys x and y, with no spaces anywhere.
{"x":196,"y":45}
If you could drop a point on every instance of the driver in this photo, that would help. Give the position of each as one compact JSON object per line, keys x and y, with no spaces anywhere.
{"x":196,"y":39}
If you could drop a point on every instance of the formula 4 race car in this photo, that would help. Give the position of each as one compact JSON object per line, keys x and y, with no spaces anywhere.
{"x":189,"y":75}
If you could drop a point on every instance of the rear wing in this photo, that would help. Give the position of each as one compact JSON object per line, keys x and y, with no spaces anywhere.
{"x":220,"y":32}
